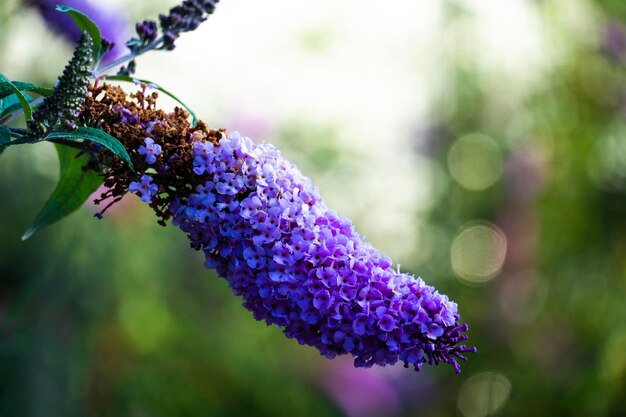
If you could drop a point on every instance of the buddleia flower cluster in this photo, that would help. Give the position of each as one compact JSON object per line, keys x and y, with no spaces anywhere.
{"x":263,"y":226}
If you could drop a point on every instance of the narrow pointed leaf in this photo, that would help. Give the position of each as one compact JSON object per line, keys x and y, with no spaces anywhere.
{"x":28,"y":112}
{"x":74,"y":188}
{"x":11,"y":103}
{"x":156,"y":87}
{"x":97,"y":136}
{"x":84,"y":23}
{"x":6,"y":90}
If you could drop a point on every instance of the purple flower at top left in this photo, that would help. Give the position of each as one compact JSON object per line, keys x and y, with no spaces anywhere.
{"x":112,"y":21}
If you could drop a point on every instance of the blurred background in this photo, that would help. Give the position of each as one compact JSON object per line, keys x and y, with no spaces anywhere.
{"x":479,"y":143}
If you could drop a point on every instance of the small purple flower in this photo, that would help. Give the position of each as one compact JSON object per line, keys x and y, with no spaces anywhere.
{"x":387,"y":323}
{"x":153,"y":123}
{"x":128,"y":116}
{"x":144,"y":189}
{"x":360,"y":324}
{"x":151,"y":150}
{"x":310,"y":315}
{"x":255,"y":257}
{"x":322,"y":300}
{"x":327,"y":275}
{"x":433,"y":330}
{"x":283,"y":254}
{"x":203,"y":149}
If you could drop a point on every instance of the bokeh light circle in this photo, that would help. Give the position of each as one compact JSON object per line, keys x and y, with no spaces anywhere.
{"x":483,"y":394}
{"x":478,"y":252}
{"x":475,"y":161}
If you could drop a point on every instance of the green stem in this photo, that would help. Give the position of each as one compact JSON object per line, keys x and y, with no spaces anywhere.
{"x":18,"y":131}
{"x":23,"y":139}
{"x":126,"y":58}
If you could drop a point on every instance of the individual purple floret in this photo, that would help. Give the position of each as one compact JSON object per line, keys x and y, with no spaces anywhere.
{"x":144,"y":189}
{"x":301,"y":266}
{"x":151,"y":150}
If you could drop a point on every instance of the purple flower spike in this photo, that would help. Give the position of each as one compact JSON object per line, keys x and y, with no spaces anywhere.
{"x":301,"y":266}
{"x":112,"y":21}
{"x":144,"y":189}
{"x":151,"y":150}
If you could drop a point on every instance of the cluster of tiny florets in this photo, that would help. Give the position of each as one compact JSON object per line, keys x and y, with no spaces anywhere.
{"x":303,"y":267}
{"x":264,"y":227}
{"x":158,"y":144}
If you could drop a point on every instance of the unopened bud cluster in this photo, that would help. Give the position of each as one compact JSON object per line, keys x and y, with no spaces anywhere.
{"x":63,"y":106}
{"x":185,"y":17}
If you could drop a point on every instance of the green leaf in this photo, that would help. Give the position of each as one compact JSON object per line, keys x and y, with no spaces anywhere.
{"x":5,"y":138}
{"x":84,"y":23}
{"x":74,"y":188}
{"x":11,"y":103}
{"x":28,"y":112}
{"x":6,"y":90}
{"x":157,"y":87}
{"x":97,"y":136}
{"x":5,"y":135}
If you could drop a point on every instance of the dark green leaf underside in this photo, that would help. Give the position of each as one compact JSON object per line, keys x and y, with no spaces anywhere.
{"x":6,"y":90}
{"x":74,"y":188}
{"x":11,"y":103}
{"x":5,"y":135}
{"x":97,"y":136}
{"x":5,"y":83}
{"x":5,"y":138}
